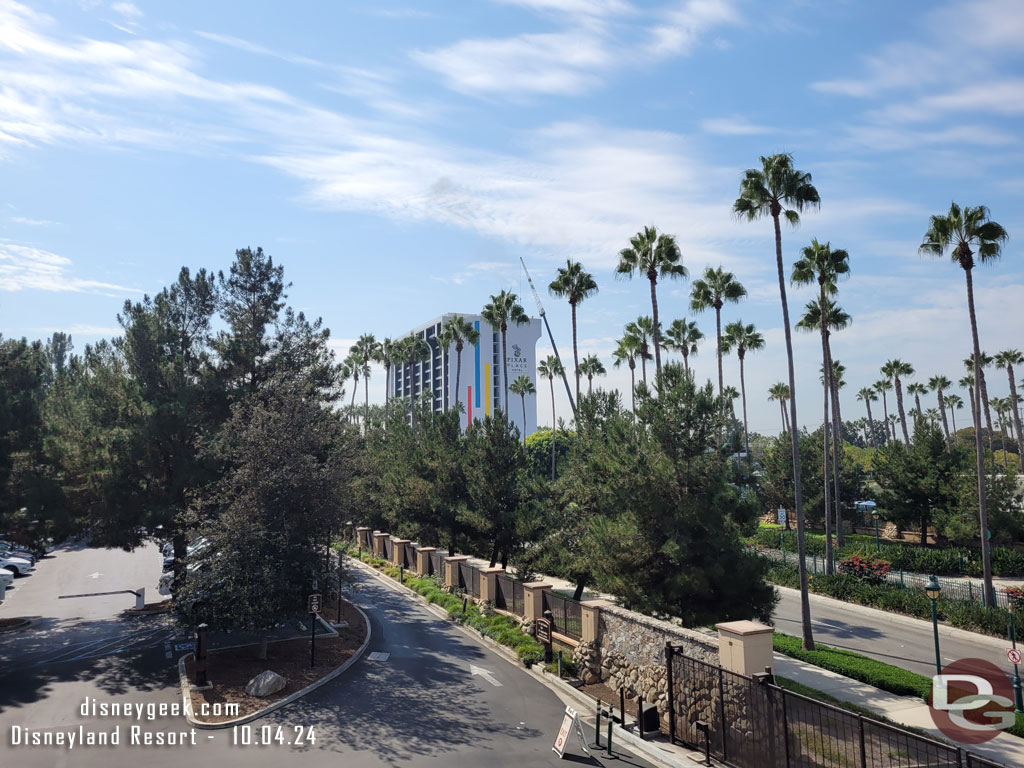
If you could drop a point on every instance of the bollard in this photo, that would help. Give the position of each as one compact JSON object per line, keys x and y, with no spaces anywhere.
{"x":622,"y":707}
{"x":140,"y":599}
{"x":608,"y":746}
{"x":559,"y":665}
{"x":703,"y":726}
{"x":401,"y":574}
{"x":464,"y":601}
{"x":640,"y":717}
{"x":201,"y":679}
{"x":597,"y":726}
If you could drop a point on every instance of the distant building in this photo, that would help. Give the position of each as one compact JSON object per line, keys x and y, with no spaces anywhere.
{"x":481,"y":389}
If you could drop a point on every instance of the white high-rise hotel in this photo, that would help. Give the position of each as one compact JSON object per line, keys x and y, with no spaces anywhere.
{"x":481,"y":388}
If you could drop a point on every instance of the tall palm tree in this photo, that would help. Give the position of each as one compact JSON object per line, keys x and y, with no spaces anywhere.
{"x":778,"y":189}
{"x":683,"y":336}
{"x":354,"y":363}
{"x":780,"y":392}
{"x":655,"y":256}
{"x":591,"y":367}
{"x":1001,"y":406}
{"x":981,"y":389}
{"x":460,"y":332}
{"x":712,"y":291}
{"x":917,"y":389}
{"x":522,"y":386}
{"x":954,"y":403}
{"x":643,"y":330}
{"x":366,"y":349}
{"x":894,"y":369}
{"x":549,"y":369}
{"x":385,"y":355}
{"x":627,"y":351}
{"x":881,"y":387}
{"x":939,"y":384}
{"x":742,"y":338}
{"x":414,"y":349}
{"x":967,"y":232}
{"x":575,"y":285}
{"x":1007,"y":359}
{"x":867,"y":396}
{"x":729,"y":395}
{"x":502,"y":310}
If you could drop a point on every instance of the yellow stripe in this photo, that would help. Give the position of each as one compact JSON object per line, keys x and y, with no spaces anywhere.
{"x":488,"y":387}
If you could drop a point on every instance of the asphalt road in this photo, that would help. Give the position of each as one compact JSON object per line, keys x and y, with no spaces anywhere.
{"x":910,"y":646}
{"x":422,"y":705}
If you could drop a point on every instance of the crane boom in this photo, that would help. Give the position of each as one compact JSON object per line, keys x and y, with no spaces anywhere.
{"x":551,"y":338}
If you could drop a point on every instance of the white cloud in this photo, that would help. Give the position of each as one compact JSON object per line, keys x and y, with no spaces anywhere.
{"x":128,"y":10}
{"x":23,"y":267}
{"x":733,"y":126}
{"x":685,"y":25}
{"x":34,"y":222}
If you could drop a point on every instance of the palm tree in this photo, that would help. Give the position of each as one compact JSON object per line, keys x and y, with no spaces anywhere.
{"x":502,"y":310}
{"x":683,"y":336}
{"x":1000,"y":406}
{"x":940,"y":383}
{"x":643,"y":329}
{"x":414,"y":349}
{"x":713,"y":290}
{"x":981,"y":389}
{"x":955,"y":403}
{"x":893,"y":369}
{"x":549,"y":369}
{"x":780,"y":392}
{"x":575,"y":285}
{"x":627,"y":351}
{"x":652,"y":255}
{"x":742,"y":338}
{"x":385,"y":355}
{"x":917,"y":389}
{"x":868,"y":396}
{"x":881,"y":387}
{"x":354,"y":363}
{"x":1007,"y":359}
{"x":522,"y":386}
{"x":460,"y":332}
{"x":729,"y":395}
{"x":778,"y":189}
{"x":966,"y":232}
{"x":591,"y":367}
{"x":366,"y":349}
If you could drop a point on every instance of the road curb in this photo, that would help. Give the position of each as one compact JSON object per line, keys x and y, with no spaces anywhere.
{"x":899,"y":618}
{"x":186,"y":686}
{"x":648,"y":750}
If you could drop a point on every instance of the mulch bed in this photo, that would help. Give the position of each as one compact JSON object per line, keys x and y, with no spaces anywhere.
{"x":229,"y":670}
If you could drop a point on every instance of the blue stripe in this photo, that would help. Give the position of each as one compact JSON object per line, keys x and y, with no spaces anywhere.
{"x":476,"y":362}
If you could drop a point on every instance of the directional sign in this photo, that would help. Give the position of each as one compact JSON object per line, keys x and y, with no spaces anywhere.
{"x":1013,"y":655}
{"x":543,"y":630}
{"x":314,"y":603}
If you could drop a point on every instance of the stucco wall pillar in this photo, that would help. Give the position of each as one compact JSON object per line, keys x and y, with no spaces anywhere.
{"x":423,"y":560}
{"x":364,"y":538}
{"x":398,"y":551}
{"x":379,"y":549}
{"x":533,"y":599}
{"x":451,"y":569}
{"x":591,"y":610}
{"x":489,"y":583}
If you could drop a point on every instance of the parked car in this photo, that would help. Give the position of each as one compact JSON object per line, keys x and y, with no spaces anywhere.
{"x":6,"y":577}
{"x":14,"y":550}
{"x":19,"y":566}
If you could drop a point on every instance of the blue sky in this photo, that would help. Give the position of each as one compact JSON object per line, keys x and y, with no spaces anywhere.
{"x":399,"y":158}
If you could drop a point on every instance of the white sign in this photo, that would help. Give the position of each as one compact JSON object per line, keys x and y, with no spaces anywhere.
{"x":1013,"y":655}
{"x":782,"y":516}
{"x":570,"y":722}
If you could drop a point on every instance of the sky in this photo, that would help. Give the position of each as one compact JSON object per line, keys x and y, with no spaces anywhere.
{"x":398,"y":158}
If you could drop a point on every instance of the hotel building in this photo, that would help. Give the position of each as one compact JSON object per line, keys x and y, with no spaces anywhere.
{"x":481,"y":388}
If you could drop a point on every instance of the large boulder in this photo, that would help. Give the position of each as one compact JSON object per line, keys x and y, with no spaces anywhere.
{"x":266,"y":683}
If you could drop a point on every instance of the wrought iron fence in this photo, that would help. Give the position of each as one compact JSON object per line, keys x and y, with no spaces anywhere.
{"x":437,"y":563}
{"x":566,"y":614}
{"x":469,"y":579}
{"x":409,"y":557}
{"x":389,"y":549}
{"x":748,"y":722}
{"x":518,"y":598}
{"x":505,"y":596}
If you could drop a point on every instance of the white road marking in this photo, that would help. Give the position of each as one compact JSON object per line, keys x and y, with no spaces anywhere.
{"x":486,"y":674}
{"x":378,"y":656}
{"x":95,"y":575}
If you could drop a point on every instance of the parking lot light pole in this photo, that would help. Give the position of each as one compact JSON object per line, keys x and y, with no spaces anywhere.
{"x":932,"y":589}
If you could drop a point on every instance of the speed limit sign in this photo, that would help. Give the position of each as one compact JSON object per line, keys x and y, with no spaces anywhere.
{"x":1013,"y":655}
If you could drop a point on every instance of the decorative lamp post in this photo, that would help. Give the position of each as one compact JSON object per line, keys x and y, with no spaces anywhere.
{"x":932,"y":589}
{"x":875,"y":515}
{"x":1018,"y":700}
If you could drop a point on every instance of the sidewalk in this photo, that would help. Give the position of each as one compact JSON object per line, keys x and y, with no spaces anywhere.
{"x":902,"y":710}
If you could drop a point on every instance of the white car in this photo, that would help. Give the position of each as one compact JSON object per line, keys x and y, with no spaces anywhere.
{"x":6,"y":577}
{"x":18,"y":566}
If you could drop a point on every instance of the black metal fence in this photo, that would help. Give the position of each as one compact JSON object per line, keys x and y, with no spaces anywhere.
{"x":437,"y":563}
{"x":509,"y":594}
{"x":389,"y":549}
{"x":749,"y":722}
{"x":409,"y":557}
{"x":469,"y":579}
{"x":566,"y":614}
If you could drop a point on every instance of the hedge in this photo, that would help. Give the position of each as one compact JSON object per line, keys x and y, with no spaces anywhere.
{"x":500,"y":628}
{"x":942,"y":561}
{"x":874,"y":673}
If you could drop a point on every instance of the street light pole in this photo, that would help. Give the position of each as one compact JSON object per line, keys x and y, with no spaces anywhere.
{"x":932,"y":589}
{"x":1018,"y":699}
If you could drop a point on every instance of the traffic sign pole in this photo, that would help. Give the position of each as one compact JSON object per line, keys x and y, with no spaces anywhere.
{"x":1015,"y":656}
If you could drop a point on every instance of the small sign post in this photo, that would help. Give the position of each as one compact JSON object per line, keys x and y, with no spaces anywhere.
{"x":570,"y":722}
{"x":313,"y":606}
{"x":1014,"y":656}
{"x":543,"y":633}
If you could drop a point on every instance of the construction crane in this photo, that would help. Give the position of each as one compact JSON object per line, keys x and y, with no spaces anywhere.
{"x":551,"y":338}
